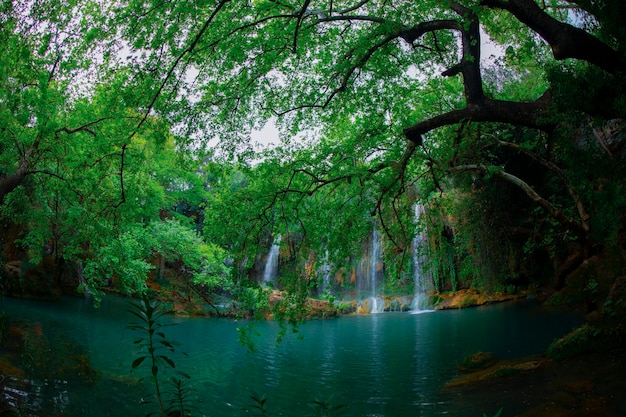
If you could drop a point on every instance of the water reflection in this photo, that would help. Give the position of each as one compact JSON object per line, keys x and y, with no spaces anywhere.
{"x":390,"y":364}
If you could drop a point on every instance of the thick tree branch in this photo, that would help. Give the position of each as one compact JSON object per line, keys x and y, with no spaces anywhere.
{"x":301,"y":15}
{"x":412,"y":34}
{"x":14,"y":180}
{"x":527,"y":114}
{"x":17,"y":178}
{"x":11,"y":182}
{"x":470,"y":60}
{"x":348,"y":18}
{"x":86,"y":127}
{"x":565,"y":40}
{"x":121,"y":175}
{"x":478,"y":107}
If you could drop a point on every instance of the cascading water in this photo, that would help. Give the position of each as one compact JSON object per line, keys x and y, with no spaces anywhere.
{"x":423,"y":282}
{"x":376,"y":262}
{"x":371,"y":276}
{"x":324,"y":272}
{"x":82,"y":281}
{"x":270,"y":272}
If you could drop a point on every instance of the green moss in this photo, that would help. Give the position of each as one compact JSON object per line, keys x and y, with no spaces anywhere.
{"x":586,"y":339}
{"x":505,"y":371}
{"x":434,"y":300}
{"x":345,"y":308}
{"x":468,"y":301}
{"x":478,"y":360}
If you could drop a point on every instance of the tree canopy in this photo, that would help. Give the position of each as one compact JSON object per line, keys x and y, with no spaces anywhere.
{"x":115,"y":113}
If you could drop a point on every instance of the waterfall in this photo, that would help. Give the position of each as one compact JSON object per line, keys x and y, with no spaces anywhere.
{"x":371,"y":276}
{"x":81,"y":280}
{"x":422,"y":279}
{"x":270,"y":272}
{"x":324,"y":272}
{"x":375,"y":260}
{"x":376,"y":263}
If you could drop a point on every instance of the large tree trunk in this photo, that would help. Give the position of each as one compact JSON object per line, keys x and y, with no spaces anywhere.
{"x":11,"y":182}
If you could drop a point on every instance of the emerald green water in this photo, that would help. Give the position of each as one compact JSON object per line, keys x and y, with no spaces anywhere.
{"x":389,"y":364}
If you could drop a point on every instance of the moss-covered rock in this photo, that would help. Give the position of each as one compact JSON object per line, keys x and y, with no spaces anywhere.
{"x":588,"y":338}
{"x":346,"y":307}
{"x":476,"y":361}
{"x":471,"y":297}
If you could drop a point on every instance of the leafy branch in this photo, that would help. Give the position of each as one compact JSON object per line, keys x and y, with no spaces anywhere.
{"x":154,"y":347}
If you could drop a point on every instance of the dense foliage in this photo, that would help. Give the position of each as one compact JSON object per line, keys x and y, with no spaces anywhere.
{"x":126,"y":146}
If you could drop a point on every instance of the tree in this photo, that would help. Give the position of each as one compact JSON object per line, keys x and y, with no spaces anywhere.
{"x":398,"y":87}
{"x":388,"y":99}
{"x":290,"y":57}
{"x":87,"y":174}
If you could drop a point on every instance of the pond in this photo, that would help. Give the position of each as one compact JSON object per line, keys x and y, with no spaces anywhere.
{"x":388,"y":364}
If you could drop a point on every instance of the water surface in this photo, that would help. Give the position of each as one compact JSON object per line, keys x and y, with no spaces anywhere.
{"x":390,"y":364}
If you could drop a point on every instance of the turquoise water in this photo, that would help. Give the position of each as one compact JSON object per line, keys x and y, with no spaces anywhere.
{"x":389,"y":364}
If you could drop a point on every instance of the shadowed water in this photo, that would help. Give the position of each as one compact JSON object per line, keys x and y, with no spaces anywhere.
{"x":391,"y":364}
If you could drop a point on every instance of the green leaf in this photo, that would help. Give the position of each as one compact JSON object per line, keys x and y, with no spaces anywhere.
{"x":167,"y":360}
{"x":138,"y":361}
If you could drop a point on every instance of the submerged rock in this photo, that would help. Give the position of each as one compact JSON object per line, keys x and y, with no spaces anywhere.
{"x":478,"y":360}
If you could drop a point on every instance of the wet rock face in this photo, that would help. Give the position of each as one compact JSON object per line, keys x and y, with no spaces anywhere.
{"x":386,"y":303}
{"x":471,"y":298}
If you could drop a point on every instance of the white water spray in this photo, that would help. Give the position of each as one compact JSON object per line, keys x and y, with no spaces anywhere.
{"x":422,"y":279}
{"x":324,"y":272}
{"x":270,"y":272}
{"x":376,"y":262}
{"x":369,"y":277}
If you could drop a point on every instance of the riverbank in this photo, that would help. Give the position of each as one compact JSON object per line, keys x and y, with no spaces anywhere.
{"x":314,"y":308}
{"x":587,"y":385}
{"x":580,"y":375}
{"x":472,"y":298}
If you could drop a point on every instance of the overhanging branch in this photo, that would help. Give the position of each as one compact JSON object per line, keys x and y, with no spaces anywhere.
{"x":565,"y":40}
{"x":582,"y":213}
{"x":528,"y":114}
{"x":478,"y":107}
{"x":528,"y":190}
